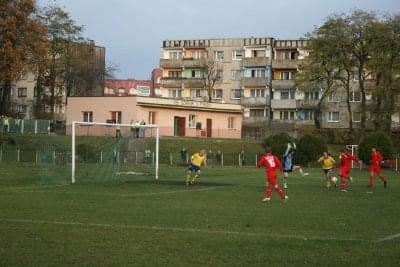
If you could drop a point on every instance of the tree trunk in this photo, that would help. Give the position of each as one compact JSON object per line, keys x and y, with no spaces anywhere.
{"x":347,"y":86}
{"x":5,"y":98}
{"x":53,"y":78}
{"x":363,"y":97}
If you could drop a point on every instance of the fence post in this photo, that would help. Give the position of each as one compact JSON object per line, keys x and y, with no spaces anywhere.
{"x":136,"y":157}
{"x":18,"y":155}
{"x":118,"y":157}
{"x":152,"y":158}
{"x":1,"y":155}
{"x":256,"y":159}
{"x":48,"y":127}
{"x":36,"y":157}
{"x":240,"y":162}
{"x":187,"y":158}
{"x":222,"y":160}
{"x":22,"y":126}
{"x":397,"y":164}
{"x":54,"y":157}
{"x":170,"y":158}
{"x":101,"y":157}
{"x":35,"y":126}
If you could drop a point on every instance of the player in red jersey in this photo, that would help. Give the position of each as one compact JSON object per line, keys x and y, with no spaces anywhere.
{"x":271,"y":163}
{"x":375,"y":168}
{"x":345,"y":167}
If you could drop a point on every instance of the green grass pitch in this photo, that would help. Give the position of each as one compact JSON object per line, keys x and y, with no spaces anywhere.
{"x":218,"y":222}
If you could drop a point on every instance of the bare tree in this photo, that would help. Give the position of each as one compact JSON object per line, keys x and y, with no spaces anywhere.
{"x":211,"y":75}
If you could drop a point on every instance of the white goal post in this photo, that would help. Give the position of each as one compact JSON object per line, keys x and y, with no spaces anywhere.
{"x":73,"y":133}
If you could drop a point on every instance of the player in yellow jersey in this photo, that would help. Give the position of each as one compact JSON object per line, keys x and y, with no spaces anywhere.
{"x":196,"y":161}
{"x":327,"y":165}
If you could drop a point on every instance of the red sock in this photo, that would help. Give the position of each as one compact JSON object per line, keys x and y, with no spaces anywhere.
{"x":280,"y":191}
{"x":268,"y":191}
{"x":343,"y":182}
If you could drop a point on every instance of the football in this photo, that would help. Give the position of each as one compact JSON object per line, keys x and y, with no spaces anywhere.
{"x":334,"y":179}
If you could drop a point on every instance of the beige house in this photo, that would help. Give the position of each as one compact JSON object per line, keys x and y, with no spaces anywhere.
{"x":175,"y":117}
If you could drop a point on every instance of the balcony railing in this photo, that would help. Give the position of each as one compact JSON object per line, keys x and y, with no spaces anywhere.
{"x":171,"y":82}
{"x":255,"y":101}
{"x":395,"y":126}
{"x":285,"y":64}
{"x":283,"y":84}
{"x":283,"y":104}
{"x":256,"y":61}
{"x":254,"y":120}
{"x":171,"y":63}
{"x":255,"y":81}
{"x":307,"y":103}
{"x":193,"y":63}
{"x":193,"y":82}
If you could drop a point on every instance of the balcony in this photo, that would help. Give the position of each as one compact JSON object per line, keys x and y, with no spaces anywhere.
{"x":171,"y":82}
{"x":255,"y":81}
{"x":307,"y":104}
{"x":193,"y":83}
{"x":285,"y":64}
{"x":171,"y":63}
{"x":255,"y":61}
{"x":283,"y":104}
{"x":193,"y":63}
{"x":395,"y":126}
{"x":255,"y":101}
{"x":283,"y":84}
{"x":247,"y":121}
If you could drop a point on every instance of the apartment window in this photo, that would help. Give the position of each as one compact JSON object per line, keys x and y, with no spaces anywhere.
{"x":236,"y":93}
{"x":305,"y":115}
{"x":87,"y":116}
{"x":311,"y":95}
{"x":192,"y":121}
{"x":287,"y":55}
{"x":288,"y":95}
{"x":197,"y":54}
{"x":175,"y":93}
{"x":60,"y":108}
{"x":151,"y":119}
{"x":253,"y":73}
{"x":287,"y":115}
{"x":195,"y":74}
{"x":22,"y":92}
{"x":175,"y":55}
{"x":195,"y":93}
{"x":356,"y":116}
{"x":218,"y":55}
{"x":288,"y":75}
{"x":217,"y":94}
{"x":237,"y":55}
{"x":333,"y":97}
{"x":237,"y":74}
{"x":258,"y":53}
{"x":231,"y":122}
{"x":116,"y":116}
{"x":256,"y":112}
{"x":355,"y":96}
{"x":257,"y":92}
{"x":21,"y":109}
{"x":333,"y":116}
{"x":175,"y":74}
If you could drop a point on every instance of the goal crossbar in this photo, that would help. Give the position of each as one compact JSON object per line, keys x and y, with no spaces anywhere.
{"x":73,"y":133}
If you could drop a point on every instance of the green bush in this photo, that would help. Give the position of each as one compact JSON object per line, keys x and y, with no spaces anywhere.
{"x":380,"y":141}
{"x":309,"y":148}
{"x":278,"y":143}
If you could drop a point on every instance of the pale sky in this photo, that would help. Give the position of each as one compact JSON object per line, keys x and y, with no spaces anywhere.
{"x":132,"y":31}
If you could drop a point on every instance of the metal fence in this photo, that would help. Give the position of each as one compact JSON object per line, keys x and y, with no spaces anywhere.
{"x":23,"y":126}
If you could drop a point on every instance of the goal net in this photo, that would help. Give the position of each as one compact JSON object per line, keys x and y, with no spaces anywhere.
{"x":108,"y":151}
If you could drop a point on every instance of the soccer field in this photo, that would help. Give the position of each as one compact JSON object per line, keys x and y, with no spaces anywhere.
{"x":218,"y":222}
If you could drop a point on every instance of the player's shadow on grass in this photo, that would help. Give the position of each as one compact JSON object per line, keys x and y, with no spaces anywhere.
{"x":177,"y":183}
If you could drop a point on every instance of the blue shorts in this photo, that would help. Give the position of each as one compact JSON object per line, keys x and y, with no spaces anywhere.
{"x":193,"y":168}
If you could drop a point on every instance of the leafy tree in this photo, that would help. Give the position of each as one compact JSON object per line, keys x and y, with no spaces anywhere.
{"x":277,"y":143}
{"x":309,"y":147}
{"x":22,"y":40}
{"x":380,"y":141}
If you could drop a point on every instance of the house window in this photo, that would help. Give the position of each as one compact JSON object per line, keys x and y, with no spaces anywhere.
{"x":192,"y":121}
{"x":116,"y":116}
{"x":87,"y":116}
{"x":333,"y":116}
{"x":175,"y":55}
{"x":287,"y":55}
{"x":21,"y":109}
{"x":311,"y":95}
{"x":257,"y":92}
{"x":236,"y":93}
{"x":333,"y":97}
{"x":356,"y":116}
{"x":195,"y":74}
{"x":175,"y":93}
{"x":231,"y":122}
{"x":258,"y":53}
{"x":237,"y":74}
{"x":197,"y":54}
{"x":151,"y":118}
{"x":22,"y":92}
{"x":288,"y":95}
{"x":255,"y":73}
{"x":256,"y":112}
{"x":217,"y":94}
{"x":355,"y":96}
{"x":305,"y":115}
{"x":287,"y":115}
{"x":195,"y":93}
{"x":237,"y":55}
{"x":218,"y":55}
{"x":174,"y":73}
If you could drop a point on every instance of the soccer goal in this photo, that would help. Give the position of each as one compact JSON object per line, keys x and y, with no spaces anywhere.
{"x":112,"y":151}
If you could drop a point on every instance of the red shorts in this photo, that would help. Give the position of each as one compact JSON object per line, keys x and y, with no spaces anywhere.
{"x":271,"y":177}
{"x":375,"y":169}
{"x":344,"y":172}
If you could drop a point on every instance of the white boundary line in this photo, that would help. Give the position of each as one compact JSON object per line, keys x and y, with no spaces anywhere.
{"x":176,"y":229}
{"x":15,"y":188}
{"x":391,"y":237}
{"x":121,"y":195}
